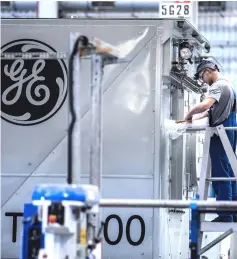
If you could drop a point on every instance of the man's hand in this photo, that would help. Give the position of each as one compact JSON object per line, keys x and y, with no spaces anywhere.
{"x":182,"y":121}
{"x":188,"y":118}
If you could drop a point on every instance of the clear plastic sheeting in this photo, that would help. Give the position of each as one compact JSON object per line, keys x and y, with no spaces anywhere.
{"x":175,"y":130}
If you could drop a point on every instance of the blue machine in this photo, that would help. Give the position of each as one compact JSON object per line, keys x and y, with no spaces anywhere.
{"x":56,"y":224}
{"x":32,"y":238}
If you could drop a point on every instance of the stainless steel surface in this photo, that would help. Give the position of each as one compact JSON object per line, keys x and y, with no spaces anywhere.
{"x":216,"y":241}
{"x":145,"y":203}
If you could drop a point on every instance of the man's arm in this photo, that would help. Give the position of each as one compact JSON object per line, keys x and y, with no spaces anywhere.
{"x":200,"y":108}
{"x":200,"y":116}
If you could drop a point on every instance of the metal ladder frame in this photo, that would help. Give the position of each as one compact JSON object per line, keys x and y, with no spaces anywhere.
{"x":197,"y":224}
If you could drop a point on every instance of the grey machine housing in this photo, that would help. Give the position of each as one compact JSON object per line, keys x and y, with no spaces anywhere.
{"x":140,"y":161}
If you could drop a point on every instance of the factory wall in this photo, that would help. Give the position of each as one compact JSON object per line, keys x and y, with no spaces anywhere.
{"x":220,"y":28}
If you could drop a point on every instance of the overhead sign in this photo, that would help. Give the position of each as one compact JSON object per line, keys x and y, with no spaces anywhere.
{"x":175,"y":9}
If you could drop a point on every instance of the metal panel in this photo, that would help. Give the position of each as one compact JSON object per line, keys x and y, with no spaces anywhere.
{"x":128,"y":138}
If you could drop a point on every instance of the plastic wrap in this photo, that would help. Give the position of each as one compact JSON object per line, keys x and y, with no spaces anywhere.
{"x":175,"y":130}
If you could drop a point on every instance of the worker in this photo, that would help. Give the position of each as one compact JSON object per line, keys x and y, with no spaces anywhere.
{"x":220,"y":107}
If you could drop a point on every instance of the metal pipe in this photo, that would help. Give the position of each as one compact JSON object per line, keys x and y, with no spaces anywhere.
{"x":149,"y":203}
{"x":86,"y":6}
{"x":216,"y":179}
{"x":76,"y":134}
{"x":72,"y":135}
{"x":216,"y":241}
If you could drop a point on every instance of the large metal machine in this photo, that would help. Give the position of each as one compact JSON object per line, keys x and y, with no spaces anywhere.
{"x":140,"y":161}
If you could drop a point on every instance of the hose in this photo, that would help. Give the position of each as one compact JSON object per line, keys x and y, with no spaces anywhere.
{"x":81,"y":41}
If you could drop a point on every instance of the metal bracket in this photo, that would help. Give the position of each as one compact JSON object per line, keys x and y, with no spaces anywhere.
{"x":216,"y":241}
{"x":182,"y":81}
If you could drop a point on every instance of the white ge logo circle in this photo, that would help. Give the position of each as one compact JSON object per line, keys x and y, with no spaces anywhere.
{"x":32,"y":91}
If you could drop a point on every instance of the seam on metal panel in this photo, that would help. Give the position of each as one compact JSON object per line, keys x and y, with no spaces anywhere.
{"x":156,"y":161}
{"x":34,"y":170}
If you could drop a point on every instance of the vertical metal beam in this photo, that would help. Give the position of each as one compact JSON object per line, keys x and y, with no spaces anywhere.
{"x":203,"y":185}
{"x":96,"y":115}
{"x":97,"y":64}
{"x":157,"y":213}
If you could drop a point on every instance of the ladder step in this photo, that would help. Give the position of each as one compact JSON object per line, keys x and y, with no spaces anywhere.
{"x":213,"y":179}
{"x":218,"y":226}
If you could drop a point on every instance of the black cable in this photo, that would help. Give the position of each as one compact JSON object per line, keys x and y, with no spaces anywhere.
{"x":84,"y":42}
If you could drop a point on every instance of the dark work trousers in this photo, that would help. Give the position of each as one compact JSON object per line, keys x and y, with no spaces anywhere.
{"x":224,"y":191}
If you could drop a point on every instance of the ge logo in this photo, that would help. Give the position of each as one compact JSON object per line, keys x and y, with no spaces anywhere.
{"x":32,"y":90}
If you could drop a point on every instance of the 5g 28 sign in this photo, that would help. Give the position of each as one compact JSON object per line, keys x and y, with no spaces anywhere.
{"x":175,"y":10}
{"x":124,"y":229}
